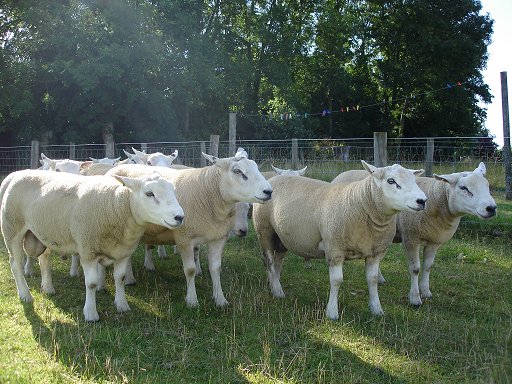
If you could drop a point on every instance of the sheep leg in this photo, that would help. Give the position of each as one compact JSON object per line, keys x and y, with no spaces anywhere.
{"x":75,"y":266}
{"x":162,"y":252}
{"x":91,"y":282}
{"x":382,"y":280}
{"x":413,"y":255}
{"x":215,"y":249}
{"x":199,"y":271}
{"x":46,"y":272}
{"x":29,"y":266}
{"x":372,"y":278}
{"x":119,"y":274}
{"x":100,"y":286}
{"x":335,"y":279}
{"x":129,"y":279}
{"x":15,"y":248}
{"x":148,"y":257}
{"x":429,"y":253}
{"x":274,"y":264}
{"x":189,"y":268}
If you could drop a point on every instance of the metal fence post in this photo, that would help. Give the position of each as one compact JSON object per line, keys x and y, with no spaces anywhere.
{"x":34,"y":154}
{"x":214,"y":145}
{"x":232,"y":133}
{"x":380,"y":140}
{"x":429,"y":161}
{"x":506,"y":136}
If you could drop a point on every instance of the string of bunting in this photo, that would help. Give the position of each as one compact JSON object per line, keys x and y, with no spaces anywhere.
{"x":344,"y":109}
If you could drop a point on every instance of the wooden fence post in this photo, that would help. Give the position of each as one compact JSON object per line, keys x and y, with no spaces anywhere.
{"x":295,"y":153}
{"x":429,"y":161}
{"x":72,"y":151}
{"x":34,"y":154}
{"x":506,"y":136}
{"x":202,"y":159}
{"x":380,"y":141}
{"x":144,"y":147}
{"x":232,"y":133}
{"x":214,"y":145}
{"x":109,"y":145}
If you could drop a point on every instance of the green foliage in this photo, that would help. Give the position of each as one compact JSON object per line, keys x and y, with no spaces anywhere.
{"x":170,"y":70}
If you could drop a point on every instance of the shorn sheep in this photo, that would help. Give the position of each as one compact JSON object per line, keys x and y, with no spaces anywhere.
{"x":100,"y":218}
{"x":450,"y":197}
{"x":208,"y":195}
{"x":316,"y":219}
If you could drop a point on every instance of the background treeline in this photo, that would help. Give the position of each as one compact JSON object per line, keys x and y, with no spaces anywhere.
{"x":172,"y":70}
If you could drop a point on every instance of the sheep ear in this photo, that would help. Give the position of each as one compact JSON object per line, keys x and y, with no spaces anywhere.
{"x":481,"y":169}
{"x":116,"y":159}
{"x":370,"y":168}
{"x":279,"y":171}
{"x":302,"y":171}
{"x":210,"y":158}
{"x":450,"y":178}
{"x":128,"y":154}
{"x":128,"y":182}
{"x":240,"y":152}
{"x":138,"y":153}
{"x":418,"y":172}
{"x":85,"y":165}
{"x":93,"y":159}
{"x":44,"y":157}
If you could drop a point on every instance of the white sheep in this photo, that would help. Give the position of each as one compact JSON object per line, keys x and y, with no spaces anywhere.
{"x":450,"y":197}
{"x":100,"y":218}
{"x":61,"y":165}
{"x":105,"y":160}
{"x":316,"y":219}
{"x":278,"y":171}
{"x":160,"y":160}
{"x":208,"y":195}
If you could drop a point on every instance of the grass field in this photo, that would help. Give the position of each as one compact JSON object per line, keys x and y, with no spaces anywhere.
{"x":462,"y":335}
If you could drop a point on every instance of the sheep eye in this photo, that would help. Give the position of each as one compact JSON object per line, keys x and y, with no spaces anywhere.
{"x":150,"y":194}
{"x":464,"y":188}
{"x":392,"y":181}
{"x":237,"y":171}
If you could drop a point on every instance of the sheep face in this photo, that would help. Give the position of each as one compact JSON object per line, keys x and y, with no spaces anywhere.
{"x":398,"y":186}
{"x":158,"y":159}
{"x":241,"y":217}
{"x":469,"y":193}
{"x":155,"y":201}
{"x":70,"y":166}
{"x":241,"y":180}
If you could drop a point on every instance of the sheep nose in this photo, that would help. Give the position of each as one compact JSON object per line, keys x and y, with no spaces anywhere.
{"x":179,"y":218}
{"x":491,"y":209}
{"x":268,"y":192}
{"x":421,"y":202}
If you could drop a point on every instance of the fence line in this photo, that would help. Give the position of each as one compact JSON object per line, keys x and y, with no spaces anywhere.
{"x":327,"y":156}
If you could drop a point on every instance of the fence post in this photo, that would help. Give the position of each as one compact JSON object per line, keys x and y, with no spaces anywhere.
{"x":380,"y":141}
{"x":72,"y":151}
{"x":429,"y":161}
{"x":506,"y":136}
{"x":109,"y":145}
{"x":34,"y":154}
{"x":144,"y":147}
{"x":232,"y":133}
{"x":295,"y":153}
{"x":214,"y":145}
{"x":203,"y":150}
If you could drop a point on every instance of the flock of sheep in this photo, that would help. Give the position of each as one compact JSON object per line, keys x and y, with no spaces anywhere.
{"x":100,"y":211}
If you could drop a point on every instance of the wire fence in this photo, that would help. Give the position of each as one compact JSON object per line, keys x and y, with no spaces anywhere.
{"x":327,"y":157}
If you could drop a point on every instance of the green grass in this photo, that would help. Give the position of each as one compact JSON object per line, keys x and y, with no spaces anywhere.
{"x":462,"y":335}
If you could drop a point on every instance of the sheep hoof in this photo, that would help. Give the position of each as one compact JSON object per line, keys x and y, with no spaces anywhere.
{"x":48,"y":290}
{"x":26,"y":298}
{"x":382,"y":280}
{"x":221,"y":302}
{"x":149,"y":267}
{"x":192,"y":304}
{"x":426,"y":294}
{"x":91,"y":316}
{"x":378,"y":311}
{"x":332,"y":316}
{"x":122,"y":307}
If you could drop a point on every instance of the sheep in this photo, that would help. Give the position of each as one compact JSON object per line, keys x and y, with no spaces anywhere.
{"x":96,"y":169}
{"x":100,"y":218}
{"x":278,"y":171}
{"x":62,"y":165}
{"x":132,"y":158}
{"x":450,"y":197}
{"x":316,"y":219}
{"x":105,"y":160}
{"x":208,"y":195}
{"x":161,"y":160}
